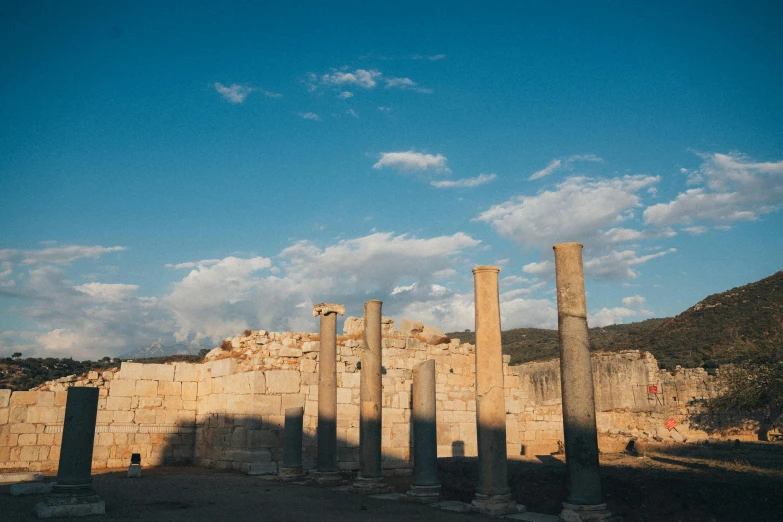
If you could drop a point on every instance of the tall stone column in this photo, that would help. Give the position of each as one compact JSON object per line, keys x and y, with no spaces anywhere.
{"x":326,"y":465}
{"x":493,"y":495}
{"x":292,"y":446}
{"x":371,"y":406}
{"x":425,"y":487}
{"x":585,"y":499}
{"x":73,"y":495}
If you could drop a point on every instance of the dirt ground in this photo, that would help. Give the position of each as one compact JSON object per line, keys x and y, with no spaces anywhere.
{"x":693,"y":483}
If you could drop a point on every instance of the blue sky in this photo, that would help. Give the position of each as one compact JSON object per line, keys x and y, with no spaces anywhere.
{"x":187,"y":170}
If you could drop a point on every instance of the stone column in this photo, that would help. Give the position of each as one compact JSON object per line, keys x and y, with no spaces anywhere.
{"x":425,"y":487}
{"x":493,"y":495}
{"x":370,"y":407}
{"x":73,"y":495}
{"x":327,"y":472}
{"x":585,"y":499}
{"x":292,"y":449}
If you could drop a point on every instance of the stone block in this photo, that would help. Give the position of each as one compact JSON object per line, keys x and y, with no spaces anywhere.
{"x":223,"y":367}
{"x":28,"y":439}
{"x":170,"y":388}
{"x":189,"y":391}
{"x":292,"y":400}
{"x":122,"y":417}
{"x":122,"y":388}
{"x":118,"y":403}
{"x":4,"y":414}
{"x":348,"y":380}
{"x":157,"y":372}
{"x":344,"y":395}
{"x":23,"y":398}
{"x":187,"y":372}
{"x":22,"y":428}
{"x":308,"y":365}
{"x":131,"y":370}
{"x":144,"y":416}
{"x":5,"y":398}
{"x":267,"y":405}
{"x":289,"y":351}
{"x":311,"y":346}
{"x":147,"y":388}
{"x":283,"y":381}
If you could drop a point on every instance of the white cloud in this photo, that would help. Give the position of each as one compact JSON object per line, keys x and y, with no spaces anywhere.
{"x":360,"y":77}
{"x":481,"y":179}
{"x":108,"y":292}
{"x":558,"y":163}
{"x":617,"y":265}
{"x":270,"y":94}
{"x":607,"y":316}
{"x":544,"y":267}
{"x":401,"y":289}
{"x":411,"y":160}
{"x":309,"y":116}
{"x":734,"y":189}
{"x":363,"y":78}
{"x":436,"y":57}
{"x":351,"y":112}
{"x":578,"y":210}
{"x":234,"y":93}
{"x":634,"y":301}
{"x":384,"y":109}
{"x":405,"y":84}
{"x":695,"y":231}
{"x":64,"y":255}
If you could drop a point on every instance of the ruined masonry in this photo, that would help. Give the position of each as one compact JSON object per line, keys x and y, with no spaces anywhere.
{"x":229,"y":412}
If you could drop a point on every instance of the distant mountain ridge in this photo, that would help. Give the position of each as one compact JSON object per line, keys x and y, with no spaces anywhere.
{"x":158,"y":349}
{"x":741,"y":324}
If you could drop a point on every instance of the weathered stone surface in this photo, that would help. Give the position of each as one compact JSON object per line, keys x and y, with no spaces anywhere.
{"x":432,"y":335}
{"x":353,"y":325}
{"x":290,"y":352}
{"x":131,"y":370}
{"x":328,"y":308}
{"x":31,"y":488}
{"x":490,"y":396}
{"x":311,"y":346}
{"x":282,"y":381}
{"x":186,"y":372}
{"x":5,"y":398}
{"x":223,"y":367}
{"x":409,"y":328}
{"x":583,"y":477}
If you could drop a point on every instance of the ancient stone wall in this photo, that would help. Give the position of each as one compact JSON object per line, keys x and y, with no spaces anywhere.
{"x":229,"y":411}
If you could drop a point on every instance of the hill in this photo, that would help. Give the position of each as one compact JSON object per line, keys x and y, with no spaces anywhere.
{"x":744,"y":324}
{"x":158,"y":349}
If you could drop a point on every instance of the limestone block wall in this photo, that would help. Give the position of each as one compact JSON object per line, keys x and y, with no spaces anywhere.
{"x":229,"y":411}
{"x":144,"y":408}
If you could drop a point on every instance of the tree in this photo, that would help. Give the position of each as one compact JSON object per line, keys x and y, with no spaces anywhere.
{"x":749,"y":386}
{"x":16,"y":355}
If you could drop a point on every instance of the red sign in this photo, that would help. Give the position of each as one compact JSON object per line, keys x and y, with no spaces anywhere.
{"x":670,"y":424}
{"x":652,"y":389}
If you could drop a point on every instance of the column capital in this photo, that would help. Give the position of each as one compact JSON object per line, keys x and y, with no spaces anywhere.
{"x":486,"y":268}
{"x":328,"y":308}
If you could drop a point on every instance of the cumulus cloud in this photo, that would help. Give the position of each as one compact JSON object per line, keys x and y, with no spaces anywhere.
{"x":345,"y":95}
{"x":579,"y":209}
{"x":544,"y":267}
{"x":634,"y":301}
{"x":366,"y":79}
{"x":234,"y":93}
{"x":619,"y":315}
{"x":734,"y":188}
{"x":559,"y":163}
{"x":481,"y":179}
{"x":412,"y":161}
{"x":617,"y":266}
{"x":309,"y":116}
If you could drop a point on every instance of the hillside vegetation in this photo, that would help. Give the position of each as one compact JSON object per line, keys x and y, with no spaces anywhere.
{"x":744,"y":324}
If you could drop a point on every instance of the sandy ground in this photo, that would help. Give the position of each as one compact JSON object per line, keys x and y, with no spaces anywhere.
{"x":689,"y":483}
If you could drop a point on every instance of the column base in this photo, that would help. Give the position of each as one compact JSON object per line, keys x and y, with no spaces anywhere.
{"x":371,"y":486}
{"x":495,"y":505}
{"x":422,"y":494}
{"x":586,"y":512}
{"x":290,"y":474}
{"x":70,"y":502}
{"x":326,"y":478}
{"x":134,"y":471}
